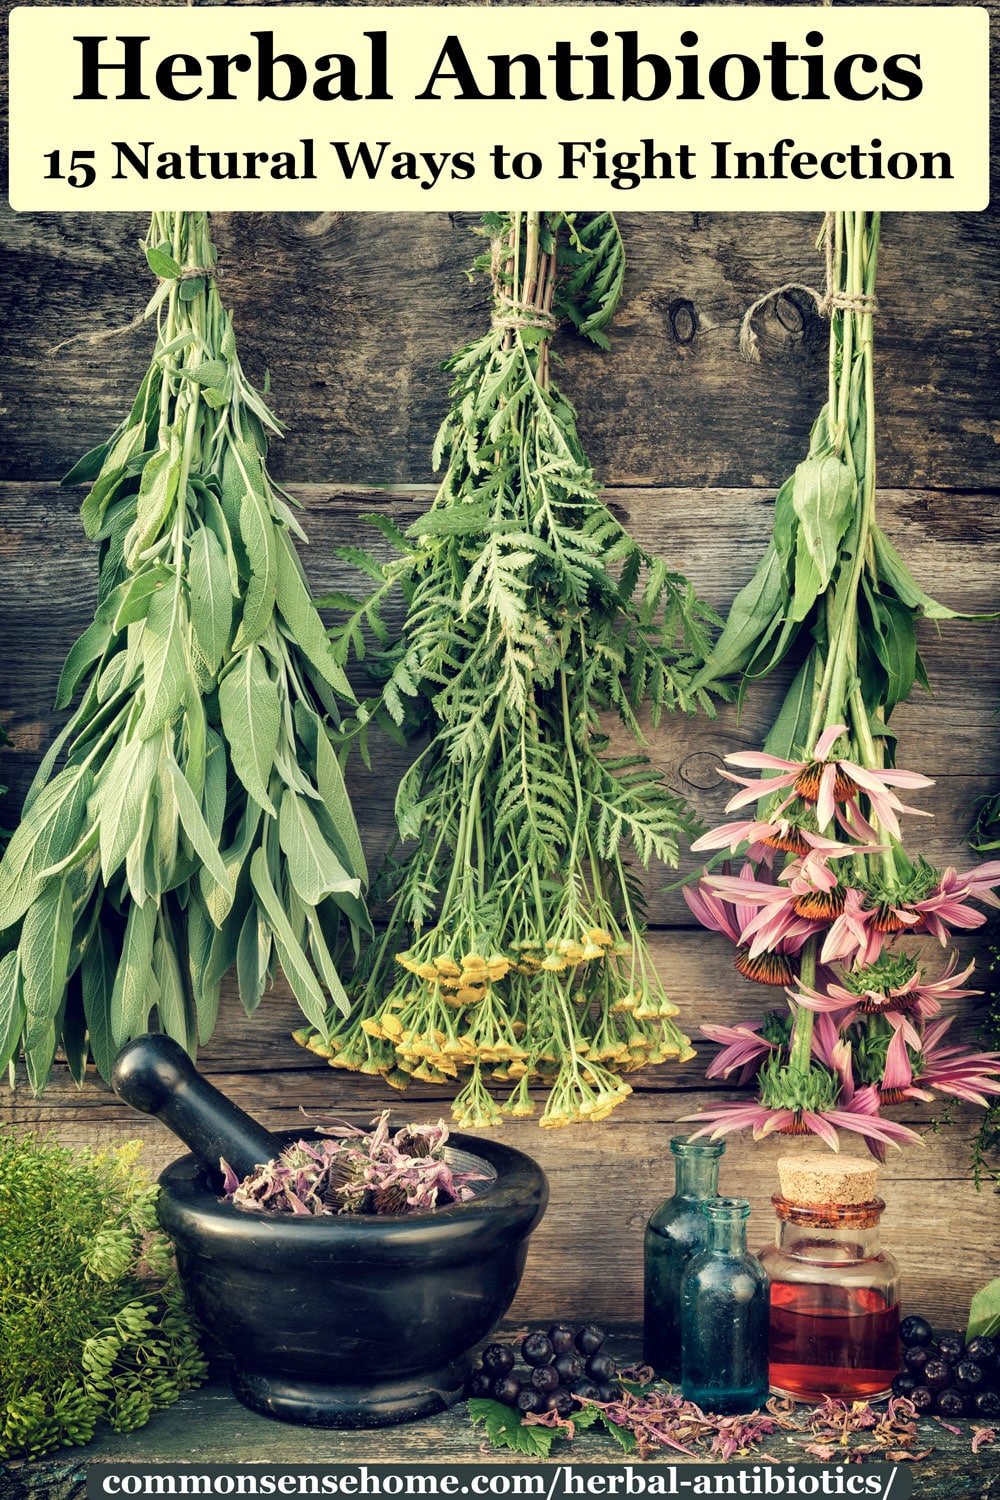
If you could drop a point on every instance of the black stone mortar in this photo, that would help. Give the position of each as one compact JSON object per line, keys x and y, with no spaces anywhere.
{"x":346,"y":1321}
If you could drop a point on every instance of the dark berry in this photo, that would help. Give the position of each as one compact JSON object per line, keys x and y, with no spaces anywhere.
{"x":498,"y":1359}
{"x":561,"y":1338}
{"x":915,"y":1331}
{"x":569,"y":1368}
{"x":586,"y":1390}
{"x":531,"y":1401}
{"x":904,"y":1385}
{"x":589,"y":1339}
{"x":562,"y":1402}
{"x":506,"y":1388}
{"x":950,"y":1347}
{"x":479,"y":1384}
{"x":983,"y":1351}
{"x":602,"y":1368}
{"x":545,"y":1378}
{"x":915,"y":1358}
{"x":609,"y":1392}
{"x":968,"y":1375}
{"x":987,"y":1403}
{"x":537,"y":1350}
{"x":950,"y":1403}
{"x":937,"y":1374}
{"x":922,"y":1397}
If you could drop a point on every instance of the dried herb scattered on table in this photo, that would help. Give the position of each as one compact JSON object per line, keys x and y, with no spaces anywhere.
{"x":515,"y":951}
{"x":200,"y":820}
{"x":345,"y":1170}
{"x":93,"y":1324}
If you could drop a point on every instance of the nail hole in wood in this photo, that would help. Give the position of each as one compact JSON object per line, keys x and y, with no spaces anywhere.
{"x":683,"y":320}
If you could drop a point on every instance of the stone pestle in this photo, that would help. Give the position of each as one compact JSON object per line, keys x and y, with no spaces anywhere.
{"x":155,"y":1075}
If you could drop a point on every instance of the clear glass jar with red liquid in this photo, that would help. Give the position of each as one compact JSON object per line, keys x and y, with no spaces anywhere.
{"x":834,"y":1320}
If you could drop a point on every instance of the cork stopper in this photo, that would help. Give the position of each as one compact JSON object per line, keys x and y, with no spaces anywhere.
{"x":811,"y":1178}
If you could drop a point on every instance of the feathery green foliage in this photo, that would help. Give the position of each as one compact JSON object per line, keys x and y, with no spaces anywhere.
{"x":200,"y":820}
{"x":531,"y":615}
{"x":93,"y":1324}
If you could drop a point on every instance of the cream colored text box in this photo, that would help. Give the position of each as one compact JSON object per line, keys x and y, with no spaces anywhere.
{"x":413,"y":107}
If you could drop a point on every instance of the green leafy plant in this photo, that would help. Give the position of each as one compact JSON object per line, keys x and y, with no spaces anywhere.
{"x":93,"y":1324}
{"x":984,"y":1312}
{"x":826,"y":879}
{"x":830,"y":580}
{"x":515,"y":946}
{"x":200,"y":819}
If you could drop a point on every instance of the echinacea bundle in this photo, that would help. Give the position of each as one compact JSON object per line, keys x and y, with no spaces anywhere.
{"x":827,"y":918}
{"x":827,"y":901}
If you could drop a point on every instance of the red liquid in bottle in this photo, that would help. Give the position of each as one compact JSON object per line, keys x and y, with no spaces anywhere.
{"x":832,"y":1341}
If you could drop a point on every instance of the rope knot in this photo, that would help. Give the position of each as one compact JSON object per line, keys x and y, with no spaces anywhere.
{"x":508,"y":313}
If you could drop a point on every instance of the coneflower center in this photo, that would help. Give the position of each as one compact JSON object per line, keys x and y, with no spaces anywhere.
{"x":807,"y":783}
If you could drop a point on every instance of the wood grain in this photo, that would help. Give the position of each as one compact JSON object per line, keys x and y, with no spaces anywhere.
{"x":208,"y":1426}
{"x":353,"y":323}
{"x":716,"y":535}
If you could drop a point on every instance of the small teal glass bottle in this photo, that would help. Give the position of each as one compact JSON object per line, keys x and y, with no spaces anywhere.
{"x":676,"y":1231}
{"x":724,"y":1316}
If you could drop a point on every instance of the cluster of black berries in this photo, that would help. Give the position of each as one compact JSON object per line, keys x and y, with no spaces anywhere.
{"x":944,"y":1374}
{"x":565,"y":1368}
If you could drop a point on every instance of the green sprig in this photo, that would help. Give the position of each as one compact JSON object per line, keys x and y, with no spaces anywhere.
{"x":515,"y":949}
{"x":93,"y":1323}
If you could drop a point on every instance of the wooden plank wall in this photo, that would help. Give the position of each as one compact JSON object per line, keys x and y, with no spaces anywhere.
{"x":353,"y":316}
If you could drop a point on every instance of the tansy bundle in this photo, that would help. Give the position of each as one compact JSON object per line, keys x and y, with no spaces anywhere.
{"x":515,"y":949}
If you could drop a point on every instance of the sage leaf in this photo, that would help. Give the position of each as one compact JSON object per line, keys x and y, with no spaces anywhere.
{"x":122,"y":793}
{"x":211,"y":597}
{"x":294,"y":962}
{"x":97,"y":976}
{"x":44,"y":948}
{"x":135,"y":991}
{"x":197,"y":830}
{"x":164,"y":660}
{"x":87,"y":650}
{"x":12,"y":1011}
{"x":251,"y":716}
{"x":313,"y":868}
{"x":299,"y":613}
{"x":42,"y":839}
{"x":333,"y":790}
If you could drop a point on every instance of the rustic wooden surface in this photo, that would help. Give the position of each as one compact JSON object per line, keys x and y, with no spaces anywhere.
{"x":209,"y":1426}
{"x":353,"y":315}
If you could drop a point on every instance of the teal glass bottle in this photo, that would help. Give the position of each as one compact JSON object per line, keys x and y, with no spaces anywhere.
{"x":675,"y":1232}
{"x":724,"y":1316}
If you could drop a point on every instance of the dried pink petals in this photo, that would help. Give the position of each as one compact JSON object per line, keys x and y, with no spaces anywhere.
{"x":661,"y":1419}
{"x":982,"y":1437}
{"x":346,"y":1170}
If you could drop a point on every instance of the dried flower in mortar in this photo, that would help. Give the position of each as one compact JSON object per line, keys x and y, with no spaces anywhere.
{"x":346,"y":1170}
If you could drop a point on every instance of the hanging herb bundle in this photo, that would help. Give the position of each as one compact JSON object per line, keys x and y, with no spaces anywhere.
{"x":827,"y":895}
{"x":200,"y":820}
{"x":515,"y":948}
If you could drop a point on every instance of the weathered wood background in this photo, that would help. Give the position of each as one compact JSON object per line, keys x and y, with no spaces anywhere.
{"x":353,"y":315}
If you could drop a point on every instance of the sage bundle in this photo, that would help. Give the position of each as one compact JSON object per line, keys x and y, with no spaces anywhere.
{"x":515,"y":950}
{"x":200,"y":820}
